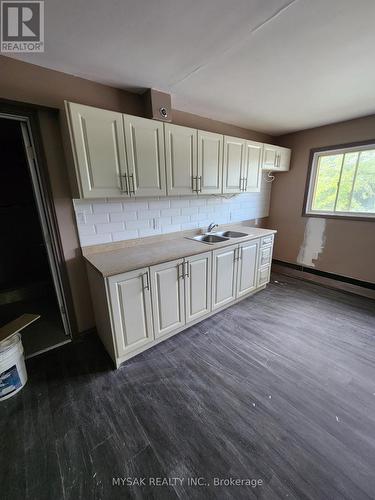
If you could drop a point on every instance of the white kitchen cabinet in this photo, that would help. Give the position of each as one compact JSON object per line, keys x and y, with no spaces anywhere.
{"x":145,"y":154}
{"x":130,"y":299}
{"x":276,"y":158}
{"x":264,"y":275}
{"x":210,"y":162}
{"x":252,"y":168}
{"x":224,"y":274}
{"x":247,"y":267}
{"x":138,"y":309}
{"x":167,"y":285}
{"x":233,"y":164}
{"x":180,"y":159}
{"x":197,"y":275}
{"x":98,"y":146}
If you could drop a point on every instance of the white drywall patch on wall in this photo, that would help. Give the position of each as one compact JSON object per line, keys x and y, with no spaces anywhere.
{"x":313,"y":242}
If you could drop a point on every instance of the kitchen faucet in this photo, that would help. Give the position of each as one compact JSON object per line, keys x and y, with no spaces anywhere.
{"x":211,"y":226}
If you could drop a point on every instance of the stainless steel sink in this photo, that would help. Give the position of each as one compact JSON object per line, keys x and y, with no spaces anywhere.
{"x":210,"y":238}
{"x":231,"y":234}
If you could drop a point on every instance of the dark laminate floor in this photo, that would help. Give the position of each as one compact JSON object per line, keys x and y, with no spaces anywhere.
{"x":280,"y":387}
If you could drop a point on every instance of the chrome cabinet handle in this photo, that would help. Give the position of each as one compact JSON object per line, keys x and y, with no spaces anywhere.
{"x":235,"y":255}
{"x":200,"y":184}
{"x":278,"y":160}
{"x":124,"y":178}
{"x":186,"y":275}
{"x":241,"y":179}
{"x":147,"y":285}
{"x":180,"y":276}
{"x":195,"y":180}
{"x":245,"y":184}
{"x":132,"y":189}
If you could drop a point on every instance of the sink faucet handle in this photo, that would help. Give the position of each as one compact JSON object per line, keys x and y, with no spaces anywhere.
{"x":211,"y":226}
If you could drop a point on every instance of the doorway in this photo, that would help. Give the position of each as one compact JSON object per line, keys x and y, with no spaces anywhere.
{"x":29,"y":274}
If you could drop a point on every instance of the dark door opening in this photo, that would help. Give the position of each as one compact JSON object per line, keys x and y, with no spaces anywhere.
{"x":26,"y":282}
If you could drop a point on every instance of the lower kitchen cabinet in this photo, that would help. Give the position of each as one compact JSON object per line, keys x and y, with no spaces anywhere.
{"x":197,"y":278}
{"x":247,"y":267}
{"x":137,"y":309}
{"x":224,"y":271}
{"x":167,"y":287}
{"x":131,"y":310}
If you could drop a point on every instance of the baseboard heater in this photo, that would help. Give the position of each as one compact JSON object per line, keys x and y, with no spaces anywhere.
{"x":324,"y":274}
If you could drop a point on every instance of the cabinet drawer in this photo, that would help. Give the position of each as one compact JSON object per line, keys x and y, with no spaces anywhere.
{"x":265,"y":256}
{"x":264,"y":275}
{"x":267,"y":240}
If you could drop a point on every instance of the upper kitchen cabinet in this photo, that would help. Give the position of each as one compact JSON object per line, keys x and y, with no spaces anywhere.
{"x":276,"y":158}
{"x":252,"y":168}
{"x":145,"y":154}
{"x":180,"y":159}
{"x":233,"y":165}
{"x":210,"y":160}
{"x":98,"y":145}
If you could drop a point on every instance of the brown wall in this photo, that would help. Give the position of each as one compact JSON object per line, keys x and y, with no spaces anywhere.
{"x":20,"y":81}
{"x":348,"y":247}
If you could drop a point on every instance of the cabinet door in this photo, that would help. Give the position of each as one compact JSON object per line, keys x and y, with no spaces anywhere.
{"x":180,"y":158}
{"x":197,"y":271}
{"x":247,"y":267}
{"x":210,"y":162}
{"x":224,"y":270}
{"x":252,"y":170}
{"x":284,"y":159}
{"x":145,"y":153}
{"x":131,"y":310}
{"x":98,"y":146}
{"x":269,"y":157}
{"x":167,"y":296}
{"x":234,"y":160}
{"x":276,"y":158}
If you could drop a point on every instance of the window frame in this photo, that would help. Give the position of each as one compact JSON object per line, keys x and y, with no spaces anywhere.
{"x":315,"y":153}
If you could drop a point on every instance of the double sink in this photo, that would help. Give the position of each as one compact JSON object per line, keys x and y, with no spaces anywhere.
{"x":219,"y":236}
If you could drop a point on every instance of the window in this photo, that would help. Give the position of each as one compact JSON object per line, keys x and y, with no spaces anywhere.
{"x":342,"y":182}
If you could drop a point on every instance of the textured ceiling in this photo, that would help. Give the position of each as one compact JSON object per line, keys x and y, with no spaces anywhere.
{"x":270,"y":65}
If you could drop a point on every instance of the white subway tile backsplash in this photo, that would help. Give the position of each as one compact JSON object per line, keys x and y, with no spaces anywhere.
{"x":148,"y":232}
{"x":124,"y":235}
{"x":172,"y":228}
{"x":188,"y":226}
{"x":182,"y":203}
{"x":109,"y":227}
{"x":148,"y":214}
{"x":189,"y":211}
{"x":103,"y":221}
{"x":170,"y":212}
{"x":164,"y":221}
{"x":197,"y":202}
{"x":96,"y":218}
{"x":107,"y":207}
{"x":123,"y":216}
{"x":137,"y":224}
{"x":95,"y":239}
{"x":135,"y":205}
{"x":180,"y":219}
{"x":86,"y":229}
{"x":159,"y":204}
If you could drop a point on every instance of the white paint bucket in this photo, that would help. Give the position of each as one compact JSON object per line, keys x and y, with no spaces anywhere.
{"x":13,"y":375}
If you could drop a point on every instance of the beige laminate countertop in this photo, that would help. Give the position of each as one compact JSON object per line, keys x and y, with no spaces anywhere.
{"x":136,"y":256}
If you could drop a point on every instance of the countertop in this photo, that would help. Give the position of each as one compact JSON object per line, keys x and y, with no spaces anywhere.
{"x":137,"y":256}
